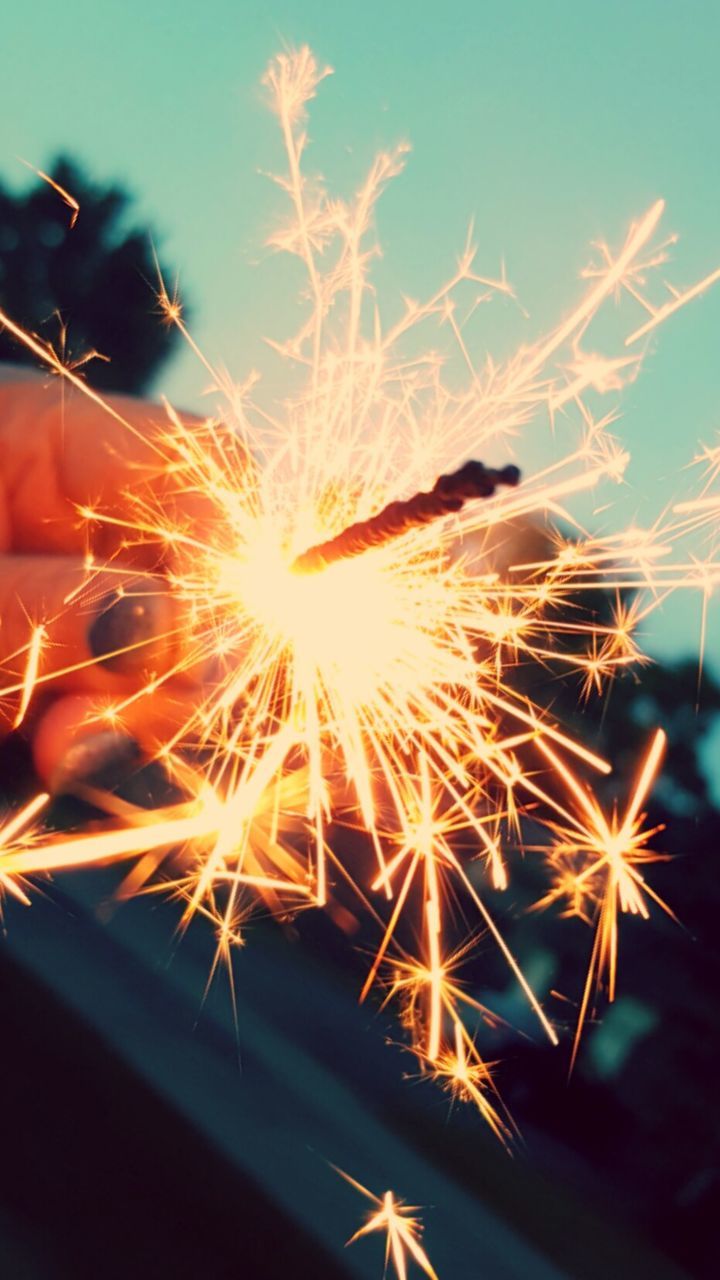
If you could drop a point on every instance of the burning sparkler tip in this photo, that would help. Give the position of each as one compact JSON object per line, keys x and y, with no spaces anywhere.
{"x":448,"y":495}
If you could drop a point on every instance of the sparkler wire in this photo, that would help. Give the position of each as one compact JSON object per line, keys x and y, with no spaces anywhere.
{"x":448,"y":494}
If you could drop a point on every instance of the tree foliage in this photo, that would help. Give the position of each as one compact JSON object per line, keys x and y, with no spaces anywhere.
{"x":84,"y":287}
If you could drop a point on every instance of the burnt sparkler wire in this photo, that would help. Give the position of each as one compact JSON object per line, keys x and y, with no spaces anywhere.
{"x":448,"y":494}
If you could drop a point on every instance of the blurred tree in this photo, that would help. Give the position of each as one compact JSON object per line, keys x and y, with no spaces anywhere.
{"x":83,"y":287}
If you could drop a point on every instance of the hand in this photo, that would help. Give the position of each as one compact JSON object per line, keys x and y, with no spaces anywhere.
{"x":107,"y":630}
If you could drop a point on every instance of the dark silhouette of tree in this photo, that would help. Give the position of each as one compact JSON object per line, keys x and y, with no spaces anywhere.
{"x":83,"y":287}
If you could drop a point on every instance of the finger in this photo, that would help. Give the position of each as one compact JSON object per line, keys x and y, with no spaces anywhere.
{"x":56,"y":442}
{"x":78,"y":740}
{"x":62,"y":628}
{"x":5,"y":532}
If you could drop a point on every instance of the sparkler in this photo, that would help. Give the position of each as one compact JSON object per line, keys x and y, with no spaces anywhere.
{"x":365,"y":626}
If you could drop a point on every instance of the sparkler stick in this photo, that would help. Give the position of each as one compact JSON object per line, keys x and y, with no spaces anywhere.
{"x":448,"y":494}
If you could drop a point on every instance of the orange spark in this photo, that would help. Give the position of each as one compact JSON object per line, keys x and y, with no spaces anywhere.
{"x":32,"y":667}
{"x":16,"y":833}
{"x":401,"y":1227}
{"x":70,"y":201}
{"x":597,"y":860}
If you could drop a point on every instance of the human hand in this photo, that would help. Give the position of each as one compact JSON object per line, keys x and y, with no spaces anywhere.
{"x":108,"y":630}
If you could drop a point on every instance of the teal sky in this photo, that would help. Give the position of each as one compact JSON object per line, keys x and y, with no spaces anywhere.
{"x":552,"y":123}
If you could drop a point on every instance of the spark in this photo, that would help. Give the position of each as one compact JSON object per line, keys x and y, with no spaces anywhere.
{"x":17,"y":832}
{"x":675,"y":302}
{"x":597,"y":861}
{"x":401,"y":1227}
{"x":69,"y":200}
{"x":32,"y":667}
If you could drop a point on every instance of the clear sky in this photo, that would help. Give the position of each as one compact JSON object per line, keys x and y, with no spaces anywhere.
{"x":551,"y":122}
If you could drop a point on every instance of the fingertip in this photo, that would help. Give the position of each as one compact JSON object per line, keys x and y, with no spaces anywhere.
{"x":74,"y":740}
{"x":82,"y":734}
{"x":133,"y":631}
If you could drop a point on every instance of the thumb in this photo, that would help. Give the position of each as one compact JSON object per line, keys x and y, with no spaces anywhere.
{"x":66,"y":628}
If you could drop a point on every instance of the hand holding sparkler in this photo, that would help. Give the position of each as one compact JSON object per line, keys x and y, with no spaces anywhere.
{"x":96,"y":631}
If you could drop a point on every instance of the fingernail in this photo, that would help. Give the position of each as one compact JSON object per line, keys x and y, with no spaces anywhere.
{"x":127,"y":633}
{"x":95,"y":760}
{"x":149,"y":787}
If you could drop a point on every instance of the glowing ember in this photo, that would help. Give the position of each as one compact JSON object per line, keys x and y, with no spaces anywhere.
{"x":401,"y":1227}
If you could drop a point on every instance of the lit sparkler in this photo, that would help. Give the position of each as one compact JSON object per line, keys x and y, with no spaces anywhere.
{"x":365,"y":627}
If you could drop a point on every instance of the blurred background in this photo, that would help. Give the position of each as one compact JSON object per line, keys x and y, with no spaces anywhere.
{"x":141,"y":1131}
